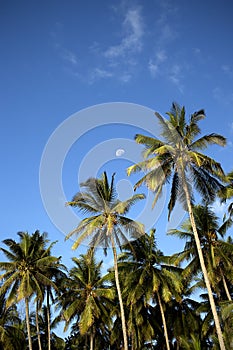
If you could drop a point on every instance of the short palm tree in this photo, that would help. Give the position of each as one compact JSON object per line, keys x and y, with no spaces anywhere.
{"x":25,"y":271}
{"x":108,"y":224}
{"x":88,"y":297}
{"x":177,"y":157}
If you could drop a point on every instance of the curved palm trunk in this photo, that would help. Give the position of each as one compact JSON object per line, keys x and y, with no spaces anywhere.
{"x":203,"y":267}
{"x":48,"y":320}
{"x":164,"y":321}
{"x":28,"y":323}
{"x":37,"y":325}
{"x":119,"y":295}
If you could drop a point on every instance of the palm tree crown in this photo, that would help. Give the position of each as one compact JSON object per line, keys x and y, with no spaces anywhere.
{"x":178,"y":154}
{"x":108,"y":218}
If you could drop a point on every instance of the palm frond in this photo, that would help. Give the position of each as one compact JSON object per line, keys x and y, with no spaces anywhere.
{"x":206,"y":140}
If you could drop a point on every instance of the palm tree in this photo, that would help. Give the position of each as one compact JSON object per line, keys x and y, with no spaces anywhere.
{"x":217,"y":253}
{"x":226,"y":193}
{"x":178,"y":157}
{"x":149,"y":277}
{"x":56,"y":273}
{"x":43,"y":326}
{"x":25,"y":272}
{"x":88,"y":297}
{"x":108,"y":224}
{"x":11,"y":336}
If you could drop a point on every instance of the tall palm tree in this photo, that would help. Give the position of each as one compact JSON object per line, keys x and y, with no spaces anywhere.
{"x":88,"y":297}
{"x":178,"y":157}
{"x":25,"y":271}
{"x":149,"y":277}
{"x":108,"y":224}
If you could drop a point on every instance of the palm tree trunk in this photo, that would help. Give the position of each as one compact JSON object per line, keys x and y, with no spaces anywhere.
{"x":203,"y":267}
{"x":119,"y":295}
{"x":164,"y":321}
{"x":37,"y":325}
{"x":225,"y":287}
{"x":28,"y":323}
{"x":91,"y":341}
{"x":48,"y":320}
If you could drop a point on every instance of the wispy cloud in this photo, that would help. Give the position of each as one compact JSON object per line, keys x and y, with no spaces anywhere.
{"x":99,"y":73}
{"x":161,"y":64}
{"x":154,"y":65}
{"x":175,"y":76}
{"x":138,"y":47}
{"x":120,"y":60}
{"x":131,"y":41}
{"x":70,"y":57}
{"x":164,"y":25}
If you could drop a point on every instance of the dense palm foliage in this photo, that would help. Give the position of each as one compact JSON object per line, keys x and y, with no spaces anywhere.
{"x":152,"y":281}
{"x":107,"y":223}
{"x":26,"y":271}
{"x":177,"y":157}
{"x":146,"y":300}
{"x":87,"y":298}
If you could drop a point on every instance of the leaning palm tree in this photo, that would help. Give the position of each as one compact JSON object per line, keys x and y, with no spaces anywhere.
{"x":178,"y":157}
{"x":25,"y":271}
{"x":108,"y":224}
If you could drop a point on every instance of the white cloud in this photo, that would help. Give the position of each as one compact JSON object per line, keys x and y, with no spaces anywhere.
{"x":161,"y":56}
{"x":176,"y":75}
{"x":70,"y":57}
{"x":99,"y":73}
{"x":125,"y":77}
{"x":153,"y":68}
{"x":131,"y":41}
{"x":166,"y":31}
{"x":154,"y":65}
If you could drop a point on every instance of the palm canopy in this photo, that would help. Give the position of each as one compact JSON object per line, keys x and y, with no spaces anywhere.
{"x":217,"y":252}
{"x":88,"y":297}
{"x":178,"y":158}
{"x":26,"y":268}
{"x":226,"y":193}
{"x":148,"y":272}
{"x":108,"y":218}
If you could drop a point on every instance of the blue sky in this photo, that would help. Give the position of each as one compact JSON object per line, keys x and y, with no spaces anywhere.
{"x":59,"y":57}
